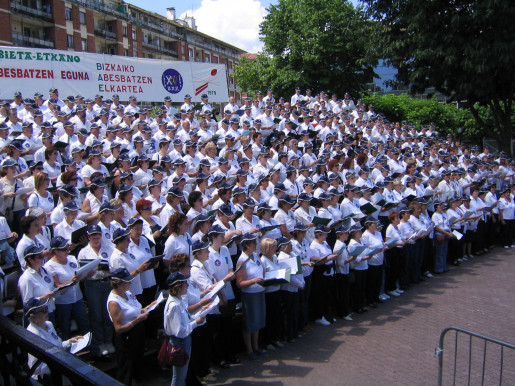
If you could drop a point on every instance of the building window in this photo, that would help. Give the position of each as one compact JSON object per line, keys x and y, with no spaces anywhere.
{"x":208,"y":58}
{"x":68,"y":13}
{"x":84,"y":44}
{"x":70,"y":40}
{"x":134,"y":35}
{"x":190,"y":54}
{"x":215,"y":59}
{"x":82,"y":17}
{"x":124,"y":31}
{"x":125,"y":52}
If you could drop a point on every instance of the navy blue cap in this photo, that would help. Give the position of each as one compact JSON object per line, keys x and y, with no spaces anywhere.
{"x":199,"y":245}
{"x":321,"y":229}
{"x":70,"y":207}
{"x":215,"y":229}
{"x":176,"y":278}
{"x":119,"y":234}
{"x":58,"y":243}
{"x":122,"y":274}
{"x":226,"y":210}
{"x":93,"y":229}
{"x":106,"y":207}
{"x":175,"y":191}
{"x":32,"y":250}
{"x":98,"y":181}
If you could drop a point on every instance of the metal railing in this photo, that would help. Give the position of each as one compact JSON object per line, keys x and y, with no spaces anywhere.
{"x":475,"y":366}
{"x":31,"y":11}
{"x":105,"y":33}
{"x":16,"y":343}
{"x":22,"y":40}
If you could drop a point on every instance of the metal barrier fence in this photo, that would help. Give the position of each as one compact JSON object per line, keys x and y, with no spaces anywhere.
{"x":16,"y":343}
{"x":486,"y":361}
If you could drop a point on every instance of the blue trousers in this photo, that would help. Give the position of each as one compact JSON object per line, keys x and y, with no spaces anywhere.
{"x":101,"y":326}
{"x":441,"y":248}
{"x":179,"y":373}
{"x":64,"y":313}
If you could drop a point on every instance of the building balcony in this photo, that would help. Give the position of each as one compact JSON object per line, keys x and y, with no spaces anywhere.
{"x":44,"y":13}
{"x":105,"y":33}
{"x":28,"y":41}
{"x":99,"y":6}
{"x":157,"y":48}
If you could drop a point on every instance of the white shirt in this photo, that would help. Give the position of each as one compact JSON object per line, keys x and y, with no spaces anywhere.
{"x":254,"y":269}
{"x":130,"y":307}
{"x":65,"y":230}
{"x":178,"y":244}
{"x":50,"y":336}
{"x":64,"y":274}
{"x":177,"y":320}
{"x":322,"y":250}
{"x":32,"y":285}
{"x":284,"y":218}
{"x":126,"y":260}
{"x":142,"y":253}
{"x":220,"y":263}
{"x":87,"y":255}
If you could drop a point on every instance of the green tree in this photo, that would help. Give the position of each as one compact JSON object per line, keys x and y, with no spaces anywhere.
{"x":463,"y":48}
{"x":320,"y":44}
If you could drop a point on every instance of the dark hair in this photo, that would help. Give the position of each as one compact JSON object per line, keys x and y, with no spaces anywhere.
{"x":193,"y":197}
{"x":66,"y":177}
{"x":347,"y":163}
{"x":25,"y":223}
{"x":179,"y":261}
{"x":123,"y":195}
{"x":392,"y":216}
{"x":48,"y":152}
{"x":174,"y":221}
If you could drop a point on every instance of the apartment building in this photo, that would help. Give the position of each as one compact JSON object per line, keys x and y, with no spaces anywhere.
{"x":112,"y":27}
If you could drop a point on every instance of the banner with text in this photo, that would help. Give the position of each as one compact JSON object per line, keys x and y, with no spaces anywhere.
{"x":33,"y":69}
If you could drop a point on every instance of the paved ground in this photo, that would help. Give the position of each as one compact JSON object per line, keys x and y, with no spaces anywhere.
{"x":395,"y":344}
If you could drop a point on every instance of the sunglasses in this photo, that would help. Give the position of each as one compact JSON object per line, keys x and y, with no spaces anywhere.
{"x":145,"y":208}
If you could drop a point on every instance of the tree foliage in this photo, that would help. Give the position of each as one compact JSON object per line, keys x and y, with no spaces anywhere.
{"x":318,"y":44}
{"x":399,"y":108}
{"x":463,"y":48}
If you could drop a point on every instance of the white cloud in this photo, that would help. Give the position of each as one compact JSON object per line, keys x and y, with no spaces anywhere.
{"x":233,"y":21}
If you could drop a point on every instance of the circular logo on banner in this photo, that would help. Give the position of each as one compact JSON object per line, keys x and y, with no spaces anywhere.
{"x":217,"y":263}
{"x":132,"y":256}
{"x":51,"y":199}
{"x":47,"y":279}
{"x":73,"y":265}
{"x":172,"y":81}
{"x":107,"y":236}
{"x":147,"y":250}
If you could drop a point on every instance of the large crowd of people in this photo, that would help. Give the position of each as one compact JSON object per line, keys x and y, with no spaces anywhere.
{"x":125,"y":220}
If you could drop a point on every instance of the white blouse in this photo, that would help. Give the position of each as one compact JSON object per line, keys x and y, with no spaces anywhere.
{"x":254,"y":268}
{"x":64,"y":273}
{"x":130,"y":307}
{"x":142,"y":253}
{"x":177,"y":320}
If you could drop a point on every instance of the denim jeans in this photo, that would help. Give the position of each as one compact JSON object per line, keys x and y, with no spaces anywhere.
{"x":101,"y":326}
{"x":65,"y":312}
{"x":179,"y":373}
{"x":441,"y":248}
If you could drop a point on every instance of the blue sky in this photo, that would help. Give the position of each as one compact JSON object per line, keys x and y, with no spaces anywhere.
{"x":234,"y":21}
